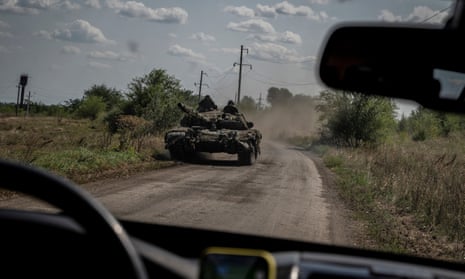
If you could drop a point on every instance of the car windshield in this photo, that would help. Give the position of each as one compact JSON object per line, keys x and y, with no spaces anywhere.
{"x":210,"y":114}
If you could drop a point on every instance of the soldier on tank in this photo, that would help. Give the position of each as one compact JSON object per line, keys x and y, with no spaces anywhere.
{"x":230,"y":108}
{"x":206,"y":104}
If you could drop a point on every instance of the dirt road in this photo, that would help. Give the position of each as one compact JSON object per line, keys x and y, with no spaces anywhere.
{"x":281,"y":195}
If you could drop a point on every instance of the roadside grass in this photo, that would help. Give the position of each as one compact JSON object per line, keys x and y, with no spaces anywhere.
{"x":410,"y":193}
{"x":80,"y":150}
{"x":356,"y":189}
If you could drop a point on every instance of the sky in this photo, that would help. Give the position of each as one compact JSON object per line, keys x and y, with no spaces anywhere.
{"x":66,"y":46}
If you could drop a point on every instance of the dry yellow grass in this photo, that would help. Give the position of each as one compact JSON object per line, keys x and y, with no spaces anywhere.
{"x":416,"y":188}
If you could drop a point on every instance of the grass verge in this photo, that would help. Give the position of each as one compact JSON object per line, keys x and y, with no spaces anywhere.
{"x":80,"y":150}
{"x":409,"y":195}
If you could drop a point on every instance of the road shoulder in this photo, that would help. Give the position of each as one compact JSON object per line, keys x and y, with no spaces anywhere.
{"x":345,"y":229}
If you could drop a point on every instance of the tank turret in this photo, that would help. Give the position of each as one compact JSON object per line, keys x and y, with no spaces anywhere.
{"x":194,"y":118}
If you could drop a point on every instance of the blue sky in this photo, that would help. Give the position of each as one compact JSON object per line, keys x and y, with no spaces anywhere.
{"x":66,"y":46}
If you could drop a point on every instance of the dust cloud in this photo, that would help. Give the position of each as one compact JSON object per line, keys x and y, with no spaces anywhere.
{"x":286,"y":122}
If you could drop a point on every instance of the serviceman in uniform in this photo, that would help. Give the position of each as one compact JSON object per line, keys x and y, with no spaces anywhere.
{"x":206,"y":104}
{"x":230,"y":108}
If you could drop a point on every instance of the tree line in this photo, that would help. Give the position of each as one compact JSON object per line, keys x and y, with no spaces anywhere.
{"x":351,"y":119}
{"x":346,"y":118}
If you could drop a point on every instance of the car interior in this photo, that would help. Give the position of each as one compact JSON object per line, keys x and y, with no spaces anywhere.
{"x":84,"y":240}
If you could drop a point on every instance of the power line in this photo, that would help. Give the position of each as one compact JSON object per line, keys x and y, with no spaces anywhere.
{"x":228,"y":85}
{"x":223,"y":82}
{"x":436,"y":14}
{"x":282,"y":82}
{"x":223,"y":76}
{"x":240,"y":72}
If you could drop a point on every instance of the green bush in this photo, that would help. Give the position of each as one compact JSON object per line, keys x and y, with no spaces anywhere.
{"x":351,"y":119}
{"x":91,"y":107}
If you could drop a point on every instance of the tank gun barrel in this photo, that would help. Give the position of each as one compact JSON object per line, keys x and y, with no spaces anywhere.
{"x":185,"y":108}
{"x":194,"y":116}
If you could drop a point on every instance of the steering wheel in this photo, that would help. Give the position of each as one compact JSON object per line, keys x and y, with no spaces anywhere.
{"x":95,"y":219}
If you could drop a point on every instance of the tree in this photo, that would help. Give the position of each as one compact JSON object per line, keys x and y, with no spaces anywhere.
{"x":424,"y":124}
{"x":402,"y":125}
{"x":278,"y":96}
{"x":72,"y":105}
{"x":352,"y":119}
{"x":91,"y":107}
{"x":247,"y":104}
{"x":302,"y":100}
{"x":110,"y":96}
{"x":155,"y":97}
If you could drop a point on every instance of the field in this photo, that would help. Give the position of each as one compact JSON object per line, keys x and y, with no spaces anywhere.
{"x":81,"y":150}
{"x":410,"y":193}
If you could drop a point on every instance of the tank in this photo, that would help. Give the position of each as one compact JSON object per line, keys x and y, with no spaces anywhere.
{"x":214,"y":132}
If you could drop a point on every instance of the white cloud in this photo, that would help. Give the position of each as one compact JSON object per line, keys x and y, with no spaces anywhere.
{"x":70,"y":50}
{"x":203,"y":37}
{"x":276,"y":53}
{"x":253,"y":26}
{"x":107,"y":55}
{"x":43,"y":34}
{"x":264,"y":31}
{"x":139,"y":10}
{"x":319,"y":2}
{"x":323,"y":15}
{"x":266,"y":11}
{"x":11,"y":6}
{"x":98,"y":65}
{"x":177,"y":50}
{"x":34,"y":6}
{"x":287,"y":8}
{"x":290,"y":38}
{"x":68,"y":5}
{"x":77,"y":31}
{"x":287,"y":37}
{"x":209,"y":67}
{"x":419,"y":14}
{"x":227,"y":50}
{"x":172,"y":35}
{"x":93,"y":4}
{"x":387,"y":15}
{"x":240,"y":11}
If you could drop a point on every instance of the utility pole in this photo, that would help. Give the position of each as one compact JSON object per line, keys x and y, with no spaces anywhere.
{"x":21,"y":87}
{"x":240,"y":73}
{"x":23,"y":83}
{"x":17,"y":99}
{"x":260,"y":101}
{"x":201,"y":83}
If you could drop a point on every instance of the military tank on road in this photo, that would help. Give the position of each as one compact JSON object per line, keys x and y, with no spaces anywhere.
{"x":213,"y":131}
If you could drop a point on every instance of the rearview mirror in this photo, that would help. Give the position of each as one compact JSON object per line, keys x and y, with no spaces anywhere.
{"x":425,"y":65}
